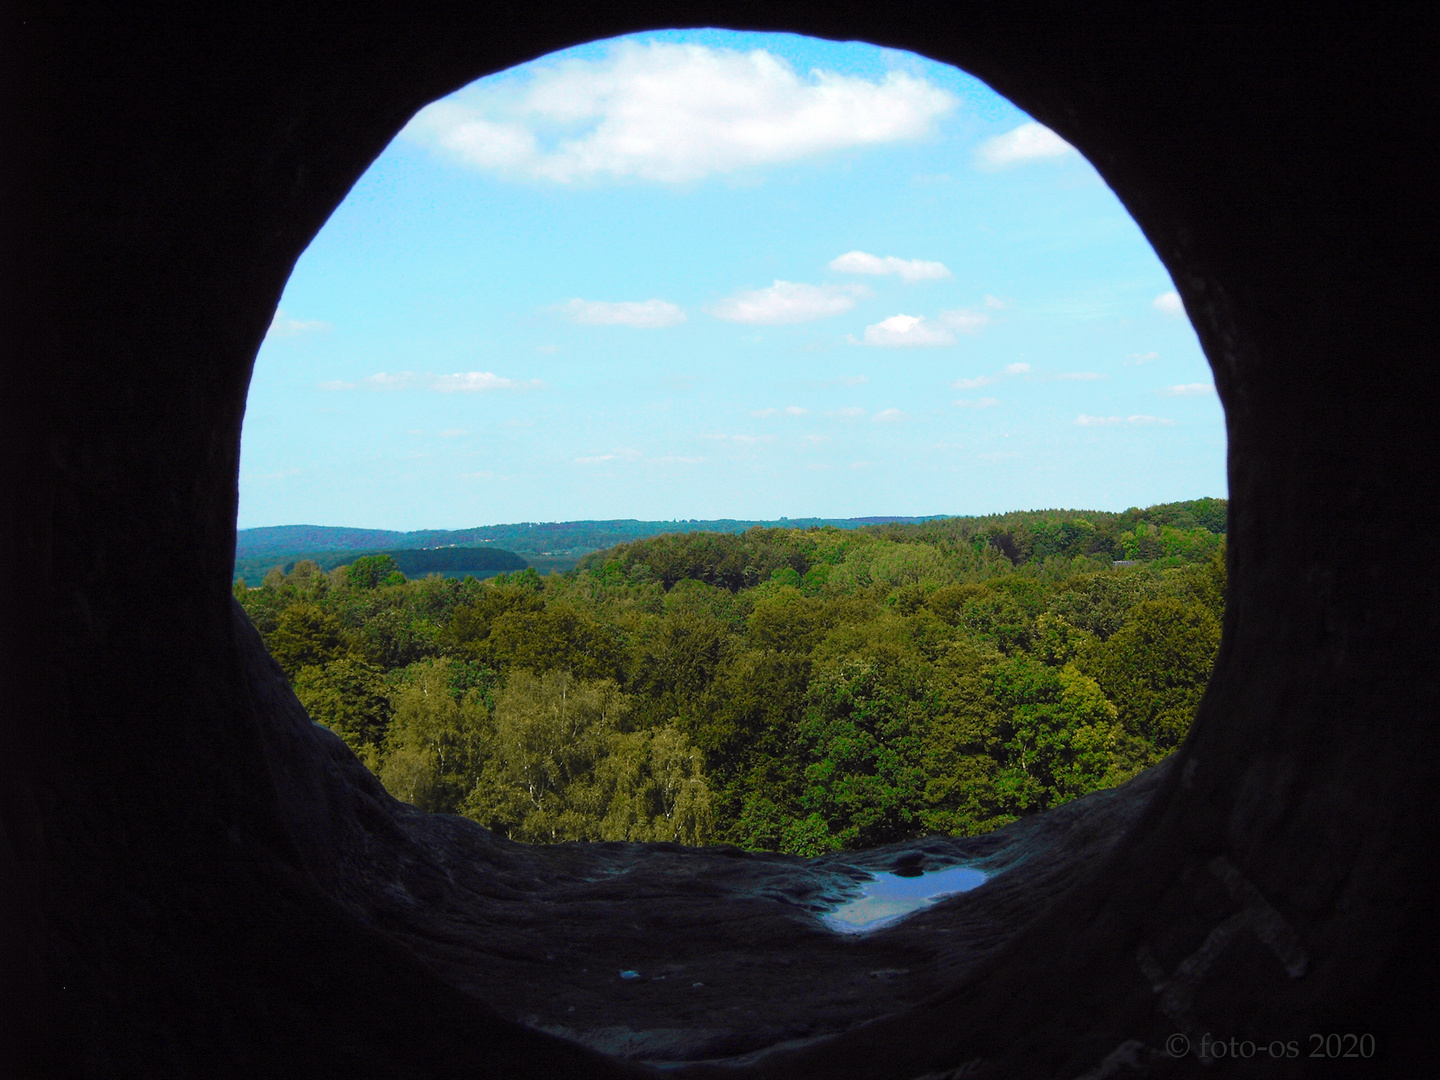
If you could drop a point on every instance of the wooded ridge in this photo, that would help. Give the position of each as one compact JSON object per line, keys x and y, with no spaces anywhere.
{"x":791,"y":689}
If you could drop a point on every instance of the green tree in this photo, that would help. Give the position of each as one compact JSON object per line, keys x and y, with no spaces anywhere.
{"x":558,"y":637}
{"x":1060,"y":738}
{"x":349,"y":696}
{"x":306,"y":635}
{"x":551,"y":732}
{"x":861,"y":731}
{"x":654,"y":789}
{"x":435,"y":747}
{"x":1155,"y":668}
{"x":369,"y":571}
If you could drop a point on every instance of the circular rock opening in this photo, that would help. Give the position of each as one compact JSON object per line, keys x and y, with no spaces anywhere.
{"x":789,"y":702}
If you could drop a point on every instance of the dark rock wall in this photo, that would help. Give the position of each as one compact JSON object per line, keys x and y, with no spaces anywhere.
{"x":172,"y":830}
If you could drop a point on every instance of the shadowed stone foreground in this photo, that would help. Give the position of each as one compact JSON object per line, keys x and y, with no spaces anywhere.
{"x":724,"y":951}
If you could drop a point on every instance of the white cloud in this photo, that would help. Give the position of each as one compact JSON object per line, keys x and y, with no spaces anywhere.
{"x":1132,"y":421}
{"x":789,"y":410}
{"x":1137,"y":358}
{"x":888,"y":416}
{"x":765,"y":414}
{"x":859,"y":464}
{"x":967,"y":322}
{"x":990,"y":380}
{"x":384,"y":380}
{"x":975,"y":383}
{"x":1194,"y":389}
{"x":479,"y":382}
{"x":904,"y":330}
{"x":788,"y":302}
{"x":467,"y":381}
{"x":670,"y":113}
{"x":640,"y":313}
{"x":850,"y":412}
{"x":796,"y":410}
{"x":1080,"y":376}
{"x":751,"y":440}
{"x":1028,"y":142}
{"x":853,"y":380}
{"x":860,"y":262}
{"x":1168,"y":303}
{"x":620,"y":454}
{"x":994,"y":302}
{"x":283,"y":325}
{"x":452,"y":433}
{"x":982,"y":403}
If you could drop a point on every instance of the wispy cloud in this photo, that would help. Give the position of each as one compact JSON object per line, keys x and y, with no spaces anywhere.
{"x":1080,"y":376}
{"x":1008,"y":371}
{"x":1138,"y":420}
{"x":1168,"y":303}
{"x":860,"y":262}
{"x":789,"y":410}
{"x":460,"y":381}
{"x":788,"y":302}
{"x":284,"y":326}
{"x":1028,"y":142}
{"x":670,"y":113}
{"x":964,"y":320}
{"x":336,"y":384}
{"x":1194,"y":389}
{"x":471,"y":382}
{"x":391,"y":380}
{"x":907,"y":330}
{"x":646,"y":314}
{"x":889,"y":416}
{"x":453,"y":433}
{"x":742,"y":439}
{"x":625,"y":453}
{"x":850,"y":412}
{"x":1137,"y":358}
{"x":980,"y":403}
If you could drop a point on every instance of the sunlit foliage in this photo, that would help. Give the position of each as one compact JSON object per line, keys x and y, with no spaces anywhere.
{"x":794,"y":690}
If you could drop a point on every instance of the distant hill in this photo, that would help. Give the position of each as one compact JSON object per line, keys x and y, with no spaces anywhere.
{"x":550,"y":545}
{"x":483,"y":561}
{"x":560,"y":545}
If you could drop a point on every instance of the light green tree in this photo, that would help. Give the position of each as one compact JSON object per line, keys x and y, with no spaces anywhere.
{"x":436,"y":745}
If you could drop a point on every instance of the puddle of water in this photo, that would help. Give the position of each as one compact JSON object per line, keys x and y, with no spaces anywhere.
{"x":889,"y":897}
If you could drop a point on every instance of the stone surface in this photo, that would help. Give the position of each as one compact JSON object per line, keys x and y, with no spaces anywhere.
{"x":202,"y":884}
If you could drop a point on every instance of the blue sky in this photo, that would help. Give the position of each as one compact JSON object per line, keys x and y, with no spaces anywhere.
{"x":708,"y":274}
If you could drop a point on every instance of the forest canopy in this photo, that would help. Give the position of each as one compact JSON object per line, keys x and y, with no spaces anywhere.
{"x":788,"y":689}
